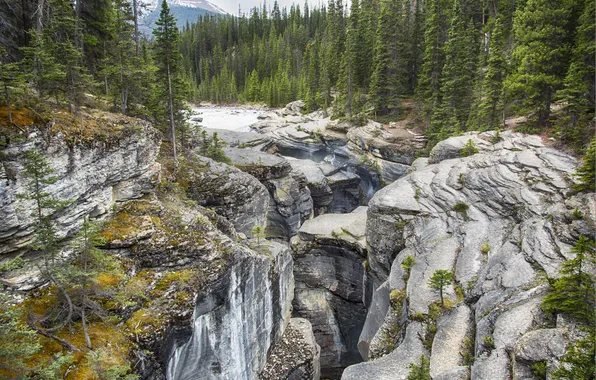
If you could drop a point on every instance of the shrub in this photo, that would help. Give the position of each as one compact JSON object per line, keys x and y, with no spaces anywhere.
{"x":461,"y":207}
{"x":485,"y":248}
{"x":469,"y":149}
{"x":489,"y":343}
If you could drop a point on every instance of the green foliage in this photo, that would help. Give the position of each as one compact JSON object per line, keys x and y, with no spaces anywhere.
{"x":573,"y":292}
{"x":468,"y":149}
{"x":19,"y":341}
{"x":407,"y":264}
{"x":259,"y":233}
{"x":587,"y":172}
{"x":485,"y":248}
{"x":539,"y":369}
{"x":461,"y":179}
{"x":461,"y":207}
{"x":468,"y":351}
{"x":12,"y":264}
{"x":488,"y":342}
{"x":40,"y":175}
{"x":539,"y":57}
{"x":440,"y":279}
{"x":420,"y":371}
{"x":579,"y":360}
{"x":576,"y":214}
{"x":213,"y":148}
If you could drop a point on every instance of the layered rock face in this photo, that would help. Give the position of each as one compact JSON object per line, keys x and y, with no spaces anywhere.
{"x":329,"y":271}
{"x":91,"y":175}
{"x":316,"y":137}
{"x":501,"y":222}
{"x":290,"y":204}
{"x":237,"y":322}
{"x":232,"y":193}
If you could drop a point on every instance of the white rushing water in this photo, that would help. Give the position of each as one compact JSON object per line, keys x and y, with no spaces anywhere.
{"x":230,"y":118}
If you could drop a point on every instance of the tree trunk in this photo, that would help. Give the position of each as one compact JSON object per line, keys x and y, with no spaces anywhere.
{"x":62,"y":342}
{"x":135,"y":12}
{"x":172,"y":126}
{"x":39,"y":18}
{"x":441,"y":293}
{"x":85,"y":331}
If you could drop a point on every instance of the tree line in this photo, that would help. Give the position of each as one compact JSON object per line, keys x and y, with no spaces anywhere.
{"x":71,"y":51}
{"x":467,"y":64}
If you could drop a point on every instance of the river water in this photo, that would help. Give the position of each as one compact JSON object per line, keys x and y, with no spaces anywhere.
{"x":230,"y":118}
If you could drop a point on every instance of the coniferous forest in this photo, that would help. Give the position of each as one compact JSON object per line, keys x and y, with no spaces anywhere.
{"x":464,"y":65}
{"x":467,"y":65}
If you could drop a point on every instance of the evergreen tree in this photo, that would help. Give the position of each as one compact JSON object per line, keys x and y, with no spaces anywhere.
{"x":587,"y":172}
{"x":389,"y":73}
{"x":456,"y":80}
{"x":168,"y":59}
{"x":573,"y":292}
{"x":434,"y":58}
{"x":439,"y":280}
{"x":539,"y":57}
{"x":490,"y":109}
{"x":578,"y":91}
{"x":348,"y":80}
{"x":11,"y":79}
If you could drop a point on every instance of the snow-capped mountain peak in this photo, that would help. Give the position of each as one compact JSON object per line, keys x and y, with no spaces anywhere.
{"x":202,"y":4}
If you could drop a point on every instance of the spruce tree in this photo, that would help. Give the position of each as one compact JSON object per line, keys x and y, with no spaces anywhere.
{"x":11,"y":79}
{"x":434,"y":58}
{"x":573,"y":292}
{"x":587,"y":172}
{"x":168,"y":59}
{"x":539,"y":57}
{"x":490,"y":109}
{"x":389,"y":73}
{"x":440,"y":279}
{"x":578,"y":91}
{"x":456,"y":80}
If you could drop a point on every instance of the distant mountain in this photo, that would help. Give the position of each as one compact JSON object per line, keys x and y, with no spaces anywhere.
{"x":184,"y":11}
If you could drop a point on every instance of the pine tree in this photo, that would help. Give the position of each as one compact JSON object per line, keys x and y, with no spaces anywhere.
{"x":578,"y":91}
{"x":347,"y":80}
{"x":573,"y":292}
{"x":168,"y":59}
{"x":587,"y":172}
{"x":539,"y":57}
{"x":389,"y":73}
{"x":490,"y":109}
{"x":434,"y":58}
{"x":11,"y":79}
{"x":439,"y":280}
{"x":456,"y":80}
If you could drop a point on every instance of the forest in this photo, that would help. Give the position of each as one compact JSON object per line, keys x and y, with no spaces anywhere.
{"x":461,"y":65}
{"x":466,"y":65}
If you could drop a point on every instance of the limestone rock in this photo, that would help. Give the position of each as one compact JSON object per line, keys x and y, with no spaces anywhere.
{"x":329,"y":271}
{"x":233,"y":194}
{"x":394,"y":366}
{"x":237,"y":321}
{"x":500,"y":220}
{"x":296,"y":356}
{"x":92,"y":176}
{"x":448,"y":344}
{"x":542,"y":344}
